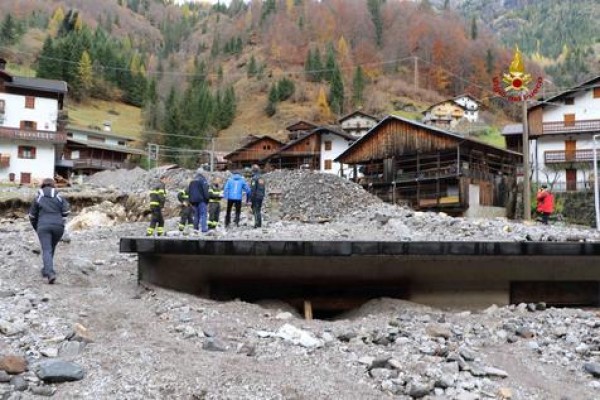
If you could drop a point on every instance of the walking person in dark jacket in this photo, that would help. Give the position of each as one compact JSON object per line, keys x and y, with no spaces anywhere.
{"x":257,"y":188}
{"x":234,"y":188}
{"x":47,"y":214}
{"x":158,"y":196}
{"x":199,"y":196}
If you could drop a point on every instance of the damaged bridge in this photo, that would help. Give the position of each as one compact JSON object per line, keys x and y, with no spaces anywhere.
{"x":330,"y":277}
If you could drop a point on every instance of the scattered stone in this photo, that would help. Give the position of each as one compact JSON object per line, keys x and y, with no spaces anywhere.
{"x":59,"y":371}
{"x":71,"y":349}
{"x":505,"y":393}
{"x":80,"y":334}
{"x":13,"y":364}
{"x":4,"y":377}
{"x":11,"y":329}
{"x":284,"y":315}
{"x":290,"y":333}
{"x":592,"y":368}
{"x":43,"y":390}
{"x":442,"y":331}
{"x":214,"y":344}
{"x":416,"y":390}
{"x":525,"y":333}
{"x":19,"y":384}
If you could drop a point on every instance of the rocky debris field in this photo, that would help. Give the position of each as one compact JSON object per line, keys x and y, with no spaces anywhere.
{"x":97,"y":334}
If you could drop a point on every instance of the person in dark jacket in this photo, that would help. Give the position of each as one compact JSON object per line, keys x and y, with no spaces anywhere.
{"x":199,"y":196}
{"x":257,"y":189}
{"x":158,"y":195}
{"x":48,"y":214}
{"x":214,"y":204}
{"x":234,"y":188}
{"x":186,"y":214}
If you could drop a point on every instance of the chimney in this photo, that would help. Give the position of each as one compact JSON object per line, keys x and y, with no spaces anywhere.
{"x":2,"y":64}
{"x":107,"y":126}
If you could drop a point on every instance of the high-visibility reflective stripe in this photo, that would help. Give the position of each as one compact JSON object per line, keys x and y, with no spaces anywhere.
{"x":154,"y":203}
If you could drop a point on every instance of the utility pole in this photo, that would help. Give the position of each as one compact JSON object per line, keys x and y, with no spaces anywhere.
{"x":526,"y":182}
{"x":416,"y":68}
{"x":212,"y":154}
{"x":596,"y":200}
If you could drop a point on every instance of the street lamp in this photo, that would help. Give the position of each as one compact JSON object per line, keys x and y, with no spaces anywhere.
{"x":596,"y":200}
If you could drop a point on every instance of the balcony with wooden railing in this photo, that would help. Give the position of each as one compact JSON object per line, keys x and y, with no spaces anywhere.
{"x":23,"y":134}
{"x":563,"y":156}
{"x":590,"y":125}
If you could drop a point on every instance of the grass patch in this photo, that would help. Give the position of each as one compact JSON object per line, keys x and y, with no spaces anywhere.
{"x":126,"y":120}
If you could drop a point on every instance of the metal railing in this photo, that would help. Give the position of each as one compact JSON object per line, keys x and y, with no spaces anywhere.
{"x":561,"y":156}
{"x":589,"y":125}
{"x":99,"y":163}
{"x":578,"y":186}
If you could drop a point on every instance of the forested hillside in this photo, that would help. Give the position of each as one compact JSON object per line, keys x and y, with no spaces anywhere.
{"x":253,"y":67}
{"x":562,"y":36}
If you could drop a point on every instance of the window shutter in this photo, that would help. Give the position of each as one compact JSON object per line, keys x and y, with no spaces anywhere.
{"x":33,"y":151}
{"x":20,"y":152}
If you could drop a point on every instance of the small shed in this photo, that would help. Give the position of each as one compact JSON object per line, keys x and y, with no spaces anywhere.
{"x":428,"y":168}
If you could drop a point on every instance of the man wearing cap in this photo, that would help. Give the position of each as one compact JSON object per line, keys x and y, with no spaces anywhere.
{"x":199,"y":197}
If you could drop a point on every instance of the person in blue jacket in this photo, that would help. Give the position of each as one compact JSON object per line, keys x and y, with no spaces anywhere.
{"x":234,"y":188}
{"x":199,"y":197}
{"x":48,"y":214}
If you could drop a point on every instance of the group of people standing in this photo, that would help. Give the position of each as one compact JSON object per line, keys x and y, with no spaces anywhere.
{"x":201,"y":202}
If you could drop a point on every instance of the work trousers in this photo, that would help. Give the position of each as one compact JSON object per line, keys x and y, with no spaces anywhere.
{"x":49,"y":236}
{"x":238,"y":210}
{"x":256,"y":211}
{"x":186,"y":217}
{"x":200,"y":217}
{"x":214,"y":211}
{"x":156,"y":222}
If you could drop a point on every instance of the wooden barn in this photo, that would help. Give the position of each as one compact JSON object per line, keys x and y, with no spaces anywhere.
{"x":427,"y":168}
{"x":253,"y":151}
{"x":315,"y":150}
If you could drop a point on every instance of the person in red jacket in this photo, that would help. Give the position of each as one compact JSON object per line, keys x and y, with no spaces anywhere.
{"x":545,"y":203}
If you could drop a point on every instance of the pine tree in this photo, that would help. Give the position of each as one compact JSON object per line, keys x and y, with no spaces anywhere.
{"x":48,"y":66}
{"x":330,"y":64}
{"x":285,"y":89}
{"x":336,"y":92}
{"x":308,"y":66}
{"x":375,"y":10}
{"x":268,"y":7}
{"x":85,"y":78}
{"x":271,"y":107}
{"x":317,"y":66}
{"x":56,"y":21}
{"x":8,"y":30}
{"x":358,"y":86}
{"x":252,"y":67}
{"x":323,"y":105}
{"x":473,"y":28}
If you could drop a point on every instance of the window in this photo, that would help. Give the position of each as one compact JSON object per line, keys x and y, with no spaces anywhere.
{"x":328,"y":145}
{"x":328,"y":164}
{"x":29,"y":102}
{"x":26,"y":152}
{"x":29,"y":125}
{"x":569,"y":119}
{"x":569,"y":101}
{"x":2,"y":105}
{"x":597,"y":92}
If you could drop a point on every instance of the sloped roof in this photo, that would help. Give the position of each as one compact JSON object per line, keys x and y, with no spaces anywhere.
{"x":430,"y":128}
{"x":99,"y":133}
{"x":512,"y":129}
{"x":103,"y":146}
{"x":469,"y":96}
{"x":328,"y":129}
{"x":357,"y":112}
{"x":443,"y":102}
{"x":44,"y":85}
{"x":254,"y":140}
{"x":590,"y":83}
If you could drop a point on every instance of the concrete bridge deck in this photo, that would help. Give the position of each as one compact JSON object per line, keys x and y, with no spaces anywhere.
{"x":337,"y":275}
